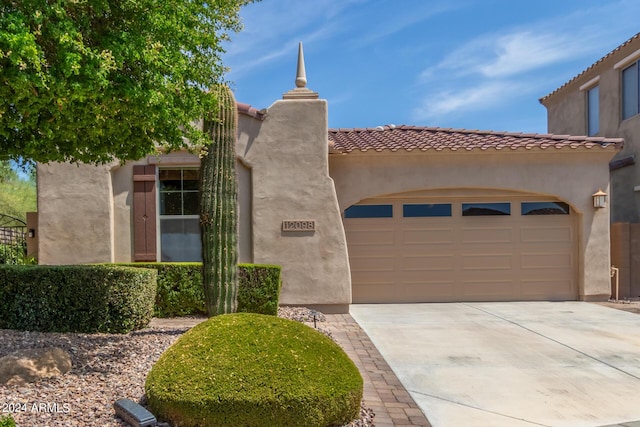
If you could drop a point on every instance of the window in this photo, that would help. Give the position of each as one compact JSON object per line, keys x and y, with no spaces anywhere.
{"x":369,"y":211}
{"x":483,"y":209}
{"x":544,"y":208}
{"x":179,"y":218}
{"x":630,"y":91}
{"x":593,"y":110}
{"x":426,"y":210}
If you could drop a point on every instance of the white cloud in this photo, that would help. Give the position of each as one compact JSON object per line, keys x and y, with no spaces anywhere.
{"x":512,"y":53}
{"x":525,"y":51}
{"x":486,"y":95}
{"x":481,"y":73}
{"x":273,"y":32}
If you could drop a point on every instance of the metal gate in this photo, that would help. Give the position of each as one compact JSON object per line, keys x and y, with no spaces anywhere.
{"x":13,"y":240}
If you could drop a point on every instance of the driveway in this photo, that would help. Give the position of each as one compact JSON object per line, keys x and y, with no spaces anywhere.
{"x":512,"y":364}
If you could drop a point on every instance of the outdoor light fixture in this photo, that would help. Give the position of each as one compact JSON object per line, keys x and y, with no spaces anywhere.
{"x":599,"y":199}
{"x":32,"y":233}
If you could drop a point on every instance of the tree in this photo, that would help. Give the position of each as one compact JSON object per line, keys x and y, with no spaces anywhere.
{"x":97,"y":80}
{"x":17,"y":192}
{"x":94,"y":81}
{"x":219,"y":208}
{"x":7,"y":173}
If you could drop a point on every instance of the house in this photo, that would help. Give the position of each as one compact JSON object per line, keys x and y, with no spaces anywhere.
{"x":603,"y":100}
{"x":385,"y":214}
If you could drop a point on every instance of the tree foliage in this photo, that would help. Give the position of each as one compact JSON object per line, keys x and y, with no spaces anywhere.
{"x":97,"y":80}
{"x":17,"y":193}
{"x":7,"y":173}
{"x":17,"y":197}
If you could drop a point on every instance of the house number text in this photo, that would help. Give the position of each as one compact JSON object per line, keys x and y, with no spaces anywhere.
{"x":306,"y":225}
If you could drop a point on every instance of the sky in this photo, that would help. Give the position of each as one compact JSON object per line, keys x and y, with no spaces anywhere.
{"x":472,"y":64}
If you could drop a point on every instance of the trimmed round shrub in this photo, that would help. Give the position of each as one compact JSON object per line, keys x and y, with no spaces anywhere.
{"x":254,"y":370}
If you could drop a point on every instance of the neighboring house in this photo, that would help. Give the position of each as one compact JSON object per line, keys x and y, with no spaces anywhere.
{"x":388,"y":214}
{"x":604,"y":100}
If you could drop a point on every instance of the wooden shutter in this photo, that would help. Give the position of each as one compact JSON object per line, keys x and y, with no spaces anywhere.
{"x":144,"y":213}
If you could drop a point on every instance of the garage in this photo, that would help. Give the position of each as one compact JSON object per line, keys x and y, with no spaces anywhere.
{"x":475,"y":246}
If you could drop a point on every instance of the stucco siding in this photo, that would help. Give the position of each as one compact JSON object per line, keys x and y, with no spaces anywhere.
{"x":288,"y":158}
{"x":75,"y":214}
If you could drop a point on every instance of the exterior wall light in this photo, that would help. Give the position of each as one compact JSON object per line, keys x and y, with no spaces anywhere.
{"x":599,"y":199}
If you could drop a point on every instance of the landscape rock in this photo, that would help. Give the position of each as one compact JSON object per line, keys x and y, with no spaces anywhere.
{"x":30,"y":365}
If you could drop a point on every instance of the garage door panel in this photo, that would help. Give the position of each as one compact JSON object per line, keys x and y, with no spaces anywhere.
{"x":498,"y":261}
{"x":546,"y":234}
{"x":427,"y":262}
{"x":439,"y":276}
{"x":379,"y":292}
{"x":484,"y":235}
{"x":552,"y":289}
{"x":431,"y":236}
{"x":546,"y":261}
{"x":492,"y":289}
{"x":438,"y":290}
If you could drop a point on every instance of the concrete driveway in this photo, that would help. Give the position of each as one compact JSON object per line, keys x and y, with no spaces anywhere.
{"x":512,"y":364}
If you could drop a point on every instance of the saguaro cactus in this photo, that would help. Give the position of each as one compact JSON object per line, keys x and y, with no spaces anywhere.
{"x":219,"y":208}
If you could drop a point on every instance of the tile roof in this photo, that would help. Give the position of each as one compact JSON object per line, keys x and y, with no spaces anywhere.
{"x":408,"y":138}
{"x":250,"y":111}
{"x":592,"y":66}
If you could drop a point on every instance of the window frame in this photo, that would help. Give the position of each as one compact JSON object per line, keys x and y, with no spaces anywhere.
{"x":434,"y":210}
{"x":484,"y":205}
{"x":564,"y":207}
{"x":635,"y":92}
{"x":356,"y":207}
{"x":593,"y":110}
{"x":168,"y":217}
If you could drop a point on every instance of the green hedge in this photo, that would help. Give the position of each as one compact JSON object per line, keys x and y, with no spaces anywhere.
{"x":180,"y":291}
{"x":179,"y":288}
{"x":81,"y":298}
{"x":259,"y":288}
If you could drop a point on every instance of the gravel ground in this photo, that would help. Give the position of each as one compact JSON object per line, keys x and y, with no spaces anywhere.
{"x":105,"y":368}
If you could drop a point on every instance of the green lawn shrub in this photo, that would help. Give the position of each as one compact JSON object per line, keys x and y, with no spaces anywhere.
{"x":180,"y":291}
{"x":7,"y":421}
{"x":254,"y":370}
{"x":76,"y":298}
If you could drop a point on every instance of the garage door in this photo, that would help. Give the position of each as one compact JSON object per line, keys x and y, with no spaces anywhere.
{"x":461,"y":250}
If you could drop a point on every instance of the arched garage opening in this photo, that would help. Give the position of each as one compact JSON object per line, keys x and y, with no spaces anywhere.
{"x":462,"y":245}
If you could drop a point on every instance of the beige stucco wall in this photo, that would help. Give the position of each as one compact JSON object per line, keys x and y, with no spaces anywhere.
{"x":570,"y":175}
{"x":75,"y":214}
{"x":288,"y":156}
{"x":112,"y":187}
